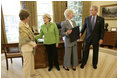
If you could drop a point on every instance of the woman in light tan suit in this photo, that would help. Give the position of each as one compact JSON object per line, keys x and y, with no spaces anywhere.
{"x":26,"y":44}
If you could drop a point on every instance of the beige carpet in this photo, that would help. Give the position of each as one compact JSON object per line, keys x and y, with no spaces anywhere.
{"x":107,"y":68}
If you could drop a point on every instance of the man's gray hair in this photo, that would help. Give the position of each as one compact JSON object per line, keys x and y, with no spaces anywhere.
{"x":96,"y":7}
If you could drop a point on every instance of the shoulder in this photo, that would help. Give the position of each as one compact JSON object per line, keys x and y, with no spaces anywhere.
{"x":52,"y":23}
{"x":63,"y":22}
{"x":42,"y":26}
{"x":100,"y":17}
{"x":88,"y":17}
{"x":73,"y":21}
{"x":21,"y":26}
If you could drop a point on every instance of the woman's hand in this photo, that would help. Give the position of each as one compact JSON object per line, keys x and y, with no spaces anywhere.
{"x":69,"y":32}
{"x":35,"y":46}
{"x":80,"y":34}
{"x":57,"y":45}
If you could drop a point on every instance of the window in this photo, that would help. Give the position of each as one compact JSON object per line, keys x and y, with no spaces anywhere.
{"x":11,"y":19}
{"x":42,"y":8}
{"x":76,"y":6}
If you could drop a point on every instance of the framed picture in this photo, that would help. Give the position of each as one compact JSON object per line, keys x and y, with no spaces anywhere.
{"x":109,"y":12}
{"x":113,"y":28}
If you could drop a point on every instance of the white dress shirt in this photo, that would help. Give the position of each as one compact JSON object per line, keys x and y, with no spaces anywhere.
{"x":71,"y":23}
{"x":94,"y":18}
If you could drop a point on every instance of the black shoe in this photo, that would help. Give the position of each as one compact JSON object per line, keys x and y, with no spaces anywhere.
{"x":95,"y":66}
{"x":74,"y":69}
{"x":58,"y":68}
{"x":66,"y":69}
{"x":82,"y":66}
{"x":50,"y":68}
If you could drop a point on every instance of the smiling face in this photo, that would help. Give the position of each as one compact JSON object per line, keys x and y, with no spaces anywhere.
{"x":93,"y":11}
{"x":45,"y":19}
{"x":71,"y":15}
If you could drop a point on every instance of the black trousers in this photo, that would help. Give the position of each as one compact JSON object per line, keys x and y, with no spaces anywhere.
{"x":86,"y":52}
{"x":52,"y":55}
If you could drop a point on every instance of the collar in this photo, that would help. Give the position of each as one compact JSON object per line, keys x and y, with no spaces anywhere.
{"x":49,"y":23}
{"x":26,"y":25}
{"x":68,"y":20}
{"x":94,"y":16}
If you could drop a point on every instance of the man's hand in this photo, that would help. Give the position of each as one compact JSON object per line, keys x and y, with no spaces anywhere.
{"x":69,"y":32}
{"x":100,"y":42}
{"x":57,"y":45}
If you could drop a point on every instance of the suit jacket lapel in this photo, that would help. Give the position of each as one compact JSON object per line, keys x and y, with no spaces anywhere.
{"x":69,"y":25}
{"x":97,"y":19}
{"x":73,"y":23}
{"x":90,"y":23}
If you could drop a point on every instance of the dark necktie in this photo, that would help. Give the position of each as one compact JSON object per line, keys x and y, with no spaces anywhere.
{"x":92,"y":22}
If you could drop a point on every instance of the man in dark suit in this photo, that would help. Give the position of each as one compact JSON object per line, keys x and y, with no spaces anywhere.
{"x":94,"y":26}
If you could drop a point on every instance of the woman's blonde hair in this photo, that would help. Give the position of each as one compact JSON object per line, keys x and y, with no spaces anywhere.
{"x":48,"y":16}
{"x":67,"y":12}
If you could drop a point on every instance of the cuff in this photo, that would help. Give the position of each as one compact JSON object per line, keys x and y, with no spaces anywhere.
{"x":32,"y":43}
